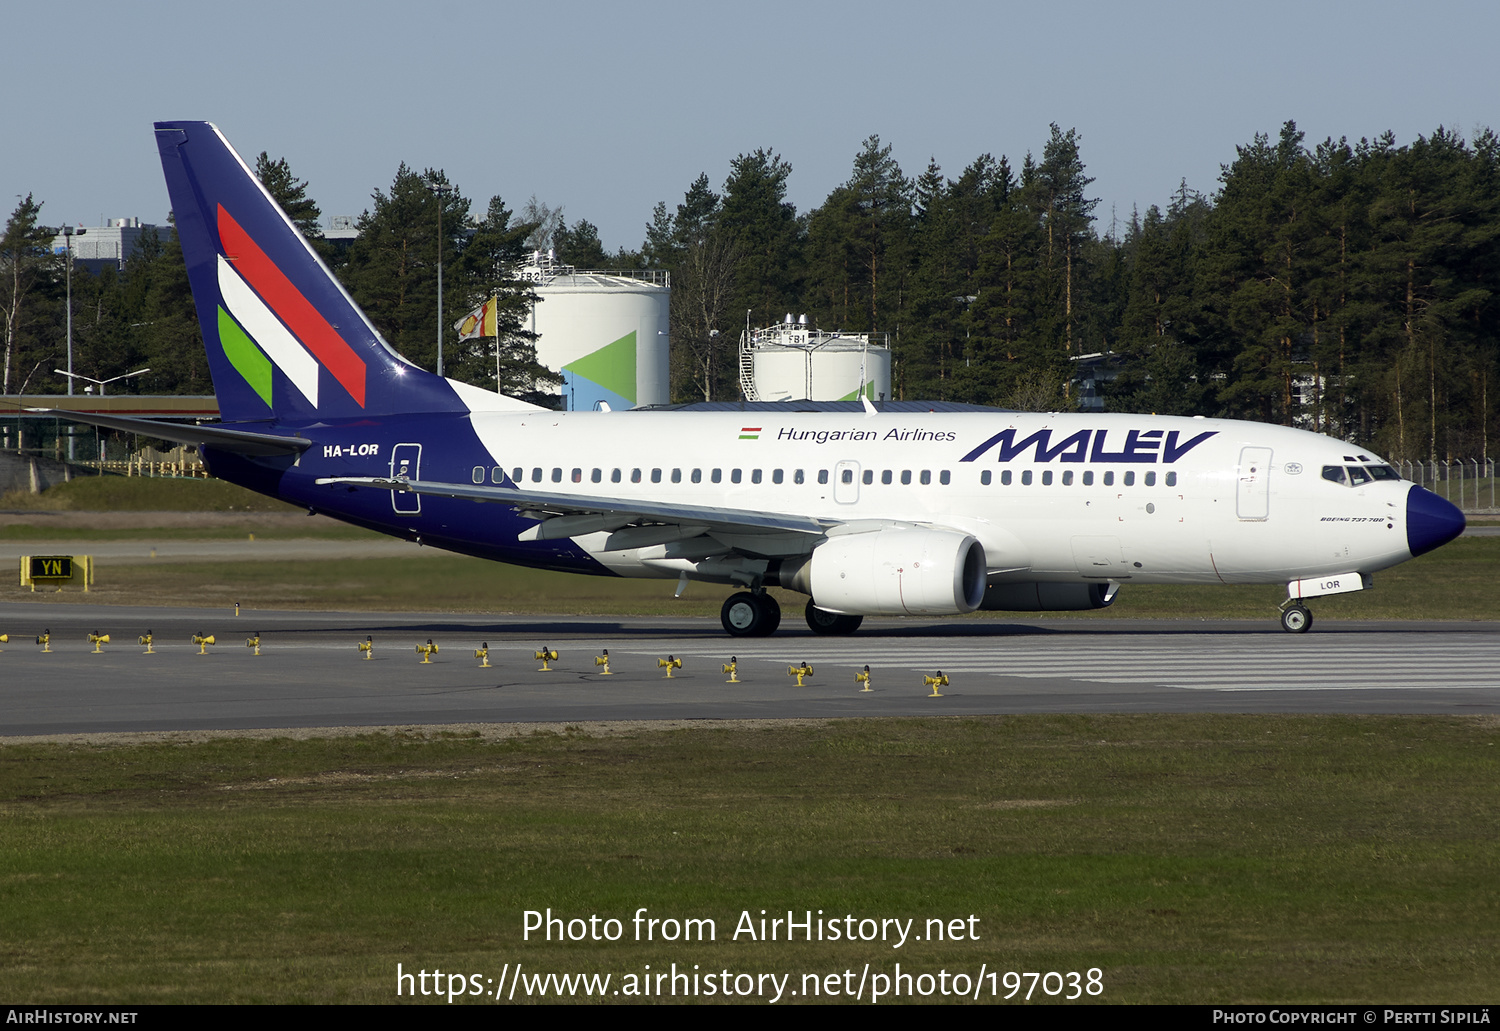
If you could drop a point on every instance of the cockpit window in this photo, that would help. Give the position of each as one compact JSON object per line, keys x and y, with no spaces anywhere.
{"x":1357,"y":475}
{"x":1384,"y":472}
{"x":1334,"y":473}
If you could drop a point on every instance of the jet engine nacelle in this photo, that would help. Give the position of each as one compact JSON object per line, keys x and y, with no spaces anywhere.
{"x":1045,"y":597}
{"x":897,"y":572}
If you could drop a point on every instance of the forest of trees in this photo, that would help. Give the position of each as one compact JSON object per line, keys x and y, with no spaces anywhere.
{"x":1341,"y":287}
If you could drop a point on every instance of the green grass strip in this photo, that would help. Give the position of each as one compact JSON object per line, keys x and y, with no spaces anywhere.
{"x":1193,"y":859}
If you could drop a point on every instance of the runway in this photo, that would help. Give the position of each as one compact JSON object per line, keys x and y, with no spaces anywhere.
{"x":311,"y":674}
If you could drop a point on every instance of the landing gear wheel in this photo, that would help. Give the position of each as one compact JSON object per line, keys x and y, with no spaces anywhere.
{"x":741,"y":615}
{"x":750,"y":615}
{"x":1296,"y":619}
{"x":831,"y":623}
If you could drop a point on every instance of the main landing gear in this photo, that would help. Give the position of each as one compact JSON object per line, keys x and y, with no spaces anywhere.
{"x":750,"y":614}
{"x":1296,"y":619}
{"x":831,"y":623}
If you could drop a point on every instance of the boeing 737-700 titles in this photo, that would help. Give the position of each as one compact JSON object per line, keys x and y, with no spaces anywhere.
{"x":889,"y":509}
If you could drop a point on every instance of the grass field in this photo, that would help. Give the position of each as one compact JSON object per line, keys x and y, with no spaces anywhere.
{"x":143,"y":494}
{"x":1190,"y":858}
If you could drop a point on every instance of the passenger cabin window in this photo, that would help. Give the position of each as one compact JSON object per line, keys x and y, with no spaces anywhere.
{"x":697,"y":475}
{"x":797,"y":476}
{"x":846,"y":476}
{"x":478,"y":474}
{"x":869,"y":477}
{"x":577,"y":475}
{"x":1151,"y":479}
{"x":556,"y":475}
{"x":655,"y":475}
{"x":497,"y":474}
{"x":1130,"y":478}
{"x":734,"y":476}
{"x":1171,"y":479}
{"x":1005,"y":477}
{"x":984,"y":477}
{"x":885,"y":477}
{"x":776,"y":476}
{"x":520,"y":475}
{"x":1046,"y":477}
{"x":905,"y":477}
{"x":1088,"y":477}
{"x":716,"y":475}
{"x":676,"y":475}
{"x":536,"y":476}
{"x":1067,"y":477}
{"x":754,"y":475}
{"x":926,"y":477}
{"x":945,"y":477}
{"x":1109,"y":478}
{"x":1026,"y":477}
{"x":614,"y":476}
{"x":597,"y":476}
{"x":635,"y":476}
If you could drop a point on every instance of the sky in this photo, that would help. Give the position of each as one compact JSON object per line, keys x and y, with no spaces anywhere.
{"x":608,"y":108}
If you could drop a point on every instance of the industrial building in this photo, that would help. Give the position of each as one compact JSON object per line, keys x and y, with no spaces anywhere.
{"x":792,"y":362}
{"x":605,"y":332}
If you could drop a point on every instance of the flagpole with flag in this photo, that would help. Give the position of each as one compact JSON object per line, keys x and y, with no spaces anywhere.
{"x":481,"y":322}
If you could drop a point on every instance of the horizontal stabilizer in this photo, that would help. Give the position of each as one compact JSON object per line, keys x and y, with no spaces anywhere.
{"x":239,"y":442}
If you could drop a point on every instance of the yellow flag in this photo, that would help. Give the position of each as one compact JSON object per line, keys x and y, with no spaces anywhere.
{"x":478,"y":323}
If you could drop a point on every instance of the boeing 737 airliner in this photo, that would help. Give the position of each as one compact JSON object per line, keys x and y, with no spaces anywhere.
{"x":894,"y":509}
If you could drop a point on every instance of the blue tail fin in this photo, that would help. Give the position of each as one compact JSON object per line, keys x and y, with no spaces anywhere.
{"x":284,"y":340}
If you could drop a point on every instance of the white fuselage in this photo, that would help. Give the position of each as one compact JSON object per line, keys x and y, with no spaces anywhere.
{"x":1060,"y":498}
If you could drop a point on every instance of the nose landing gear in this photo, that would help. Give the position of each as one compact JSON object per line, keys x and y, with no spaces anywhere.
{"x":1296,"y":619}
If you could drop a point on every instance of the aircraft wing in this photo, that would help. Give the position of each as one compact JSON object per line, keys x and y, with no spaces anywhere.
{"x":567,"y":515}
{"x":241,"y":442}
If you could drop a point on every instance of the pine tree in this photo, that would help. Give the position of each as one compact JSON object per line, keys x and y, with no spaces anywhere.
{"x":291,"y":193}
{"x":28,"y":277}
{"x":767,"y":235}
{"x":392,"y":267}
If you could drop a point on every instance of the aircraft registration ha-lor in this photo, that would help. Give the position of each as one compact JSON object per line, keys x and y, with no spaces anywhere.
{"x":897,"y":508}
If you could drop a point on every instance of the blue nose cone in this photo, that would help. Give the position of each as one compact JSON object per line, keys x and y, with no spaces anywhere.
{"x":1431,"y":521}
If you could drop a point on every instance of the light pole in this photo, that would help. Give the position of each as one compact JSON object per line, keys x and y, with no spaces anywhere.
{"x":68,"y":233}
{"x":438,"y":187}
